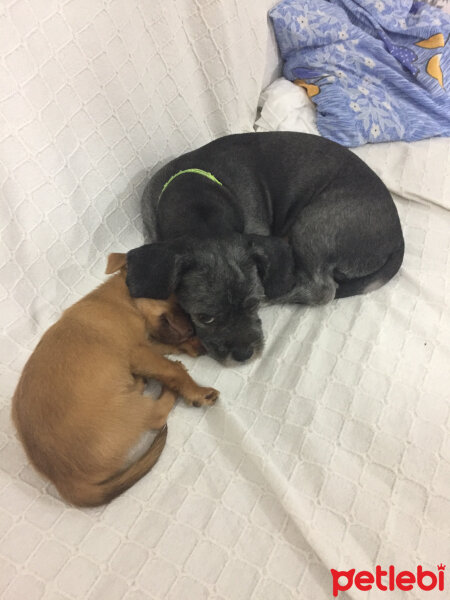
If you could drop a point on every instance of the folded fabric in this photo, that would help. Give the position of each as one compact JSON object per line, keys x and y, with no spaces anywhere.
{"x":377,"y":70}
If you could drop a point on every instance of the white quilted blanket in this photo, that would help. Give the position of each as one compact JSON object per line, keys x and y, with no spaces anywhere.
{"x":330,"y":451}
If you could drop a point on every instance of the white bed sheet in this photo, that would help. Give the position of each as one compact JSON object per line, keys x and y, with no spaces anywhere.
{"x":330,"y":451}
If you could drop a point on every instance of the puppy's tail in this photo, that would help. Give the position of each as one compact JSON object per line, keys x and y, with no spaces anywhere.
{"x":96,"y":494}
{"x":369,"y":283}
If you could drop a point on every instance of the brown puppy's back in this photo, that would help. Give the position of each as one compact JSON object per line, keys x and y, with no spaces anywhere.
{"x":77,"y":406}
{"x":85,"y":493}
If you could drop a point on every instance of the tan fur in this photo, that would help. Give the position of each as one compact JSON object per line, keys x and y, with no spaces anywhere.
{"x":79,"y":405}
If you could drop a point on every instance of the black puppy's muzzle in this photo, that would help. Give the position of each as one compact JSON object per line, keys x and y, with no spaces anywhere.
{"x":240,"y":342}
{"x":241,"y":354}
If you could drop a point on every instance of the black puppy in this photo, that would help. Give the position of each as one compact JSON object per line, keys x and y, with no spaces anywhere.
{"x":281,"y":216}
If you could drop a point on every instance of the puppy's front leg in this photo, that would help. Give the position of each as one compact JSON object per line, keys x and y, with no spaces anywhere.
{"x":173,"y":374}
{"x":192,"y":346}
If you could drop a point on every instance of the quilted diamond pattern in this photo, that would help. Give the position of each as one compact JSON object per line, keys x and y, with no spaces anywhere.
{"x":331,"y":450}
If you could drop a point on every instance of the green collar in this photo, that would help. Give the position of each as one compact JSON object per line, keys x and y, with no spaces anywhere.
{"x":198,"y":171}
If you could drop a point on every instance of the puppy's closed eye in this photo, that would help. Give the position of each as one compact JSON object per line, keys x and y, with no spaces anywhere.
{"x":204,"y":319}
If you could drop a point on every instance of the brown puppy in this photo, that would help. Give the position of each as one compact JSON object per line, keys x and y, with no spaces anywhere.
{"x":79,"y":405}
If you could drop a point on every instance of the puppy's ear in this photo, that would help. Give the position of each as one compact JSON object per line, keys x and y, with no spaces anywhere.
{"x":275,"y":263}
{"x":154,"y":270}
{"x":116,"y":261}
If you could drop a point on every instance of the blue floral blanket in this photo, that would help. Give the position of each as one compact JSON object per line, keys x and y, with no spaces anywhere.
{"x":377,"y":70}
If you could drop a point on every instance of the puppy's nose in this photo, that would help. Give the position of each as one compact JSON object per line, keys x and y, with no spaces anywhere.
{"x":242,"y":354}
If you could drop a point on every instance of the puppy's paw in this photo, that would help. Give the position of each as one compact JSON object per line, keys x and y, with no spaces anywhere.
{"x":193,"y":347}
{"x":180,"y":364}
{"x":205,"y":396}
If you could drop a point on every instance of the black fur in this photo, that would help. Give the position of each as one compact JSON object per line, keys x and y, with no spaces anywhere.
{"x":298,"y":219}
{"x":225,"y":279}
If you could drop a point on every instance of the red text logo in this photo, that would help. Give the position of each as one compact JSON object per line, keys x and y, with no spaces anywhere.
{"x":388,"y":579}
